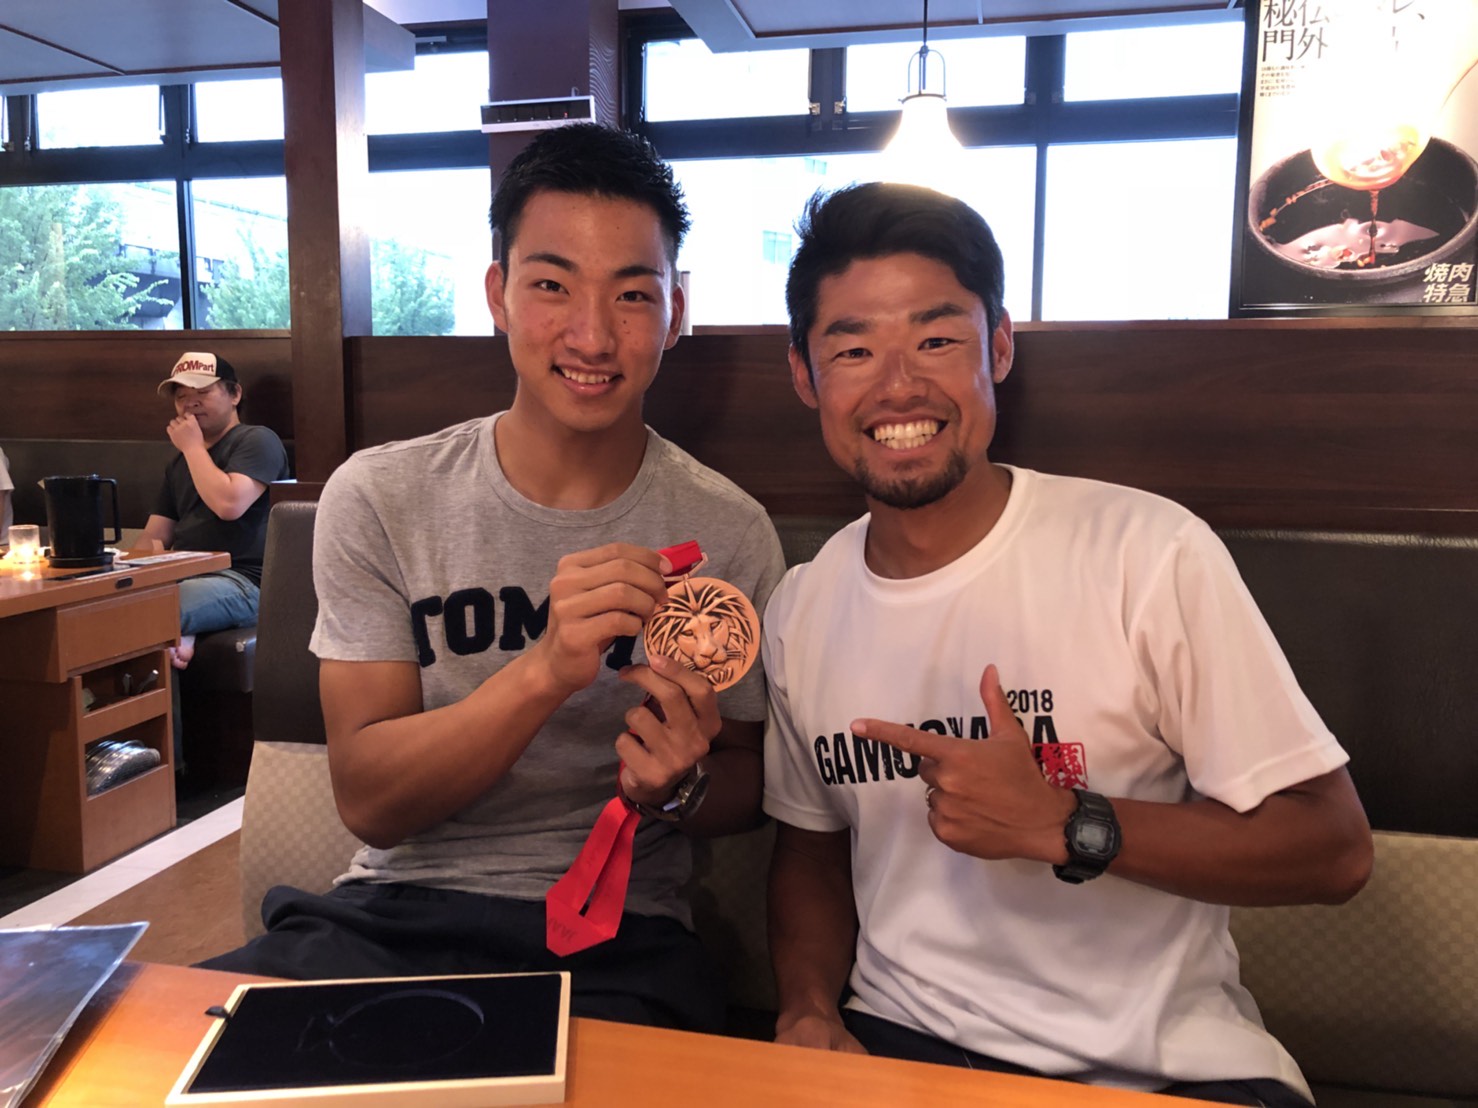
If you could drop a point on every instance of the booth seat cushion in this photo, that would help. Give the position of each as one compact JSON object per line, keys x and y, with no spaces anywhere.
{"x":1379,"y":631}
{"x":1380,"y":993}
{"x":291,"y":833}
{"x":728,"y":898}
{"x":224,"y":660}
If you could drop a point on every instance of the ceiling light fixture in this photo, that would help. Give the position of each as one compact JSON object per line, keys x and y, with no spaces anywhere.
{"x":924,"y":151}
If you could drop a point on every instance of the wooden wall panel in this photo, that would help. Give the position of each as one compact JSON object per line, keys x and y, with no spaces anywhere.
{"x":100,"y":384}
{"x":725,"y":398}
{"x":1349,"y":424}
{"x":1358,"y":424}
{"x":1345,"y":424}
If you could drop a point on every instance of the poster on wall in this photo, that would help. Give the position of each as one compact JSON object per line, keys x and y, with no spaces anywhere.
{"x":1358,"y":185}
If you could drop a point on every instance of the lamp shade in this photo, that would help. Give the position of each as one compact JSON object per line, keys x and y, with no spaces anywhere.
{"x":924,"y":151}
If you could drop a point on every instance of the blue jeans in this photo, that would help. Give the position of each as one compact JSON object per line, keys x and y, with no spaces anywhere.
{"x":211,"y":602}
{"x":216,"y":601}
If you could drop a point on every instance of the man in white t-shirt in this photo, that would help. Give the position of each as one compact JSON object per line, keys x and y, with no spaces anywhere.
{"x":1052,"y":900}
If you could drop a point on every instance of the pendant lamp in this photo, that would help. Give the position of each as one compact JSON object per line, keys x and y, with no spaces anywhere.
{"x":924,"y":151}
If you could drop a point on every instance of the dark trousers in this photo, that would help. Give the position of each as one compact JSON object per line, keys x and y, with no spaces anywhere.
{"x":890,"y":1040}
{"x":655,"y":971}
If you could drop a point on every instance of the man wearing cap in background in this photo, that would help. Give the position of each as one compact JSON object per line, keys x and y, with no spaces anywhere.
{"x":214,"y":496}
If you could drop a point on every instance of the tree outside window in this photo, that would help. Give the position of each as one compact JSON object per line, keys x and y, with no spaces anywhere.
{"x":408,"y":297}
{"x":64,"y":266}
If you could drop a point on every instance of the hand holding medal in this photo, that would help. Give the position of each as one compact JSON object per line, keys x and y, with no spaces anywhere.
{"x":710,"y":627}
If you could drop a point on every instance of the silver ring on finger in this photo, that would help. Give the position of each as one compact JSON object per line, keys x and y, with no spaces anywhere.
{"x":929,"y":796}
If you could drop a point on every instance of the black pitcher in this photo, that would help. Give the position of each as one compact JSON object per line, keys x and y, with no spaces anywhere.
{"x":74,"y":520}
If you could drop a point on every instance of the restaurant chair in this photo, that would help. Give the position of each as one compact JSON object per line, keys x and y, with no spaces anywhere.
{"x":216,"y":707}
{"x":291,"y":833}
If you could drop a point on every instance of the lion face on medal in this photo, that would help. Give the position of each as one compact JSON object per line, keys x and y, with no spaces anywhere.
{"x":708,"y":626}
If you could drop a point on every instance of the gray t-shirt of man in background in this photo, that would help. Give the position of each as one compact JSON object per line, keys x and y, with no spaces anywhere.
{"x":423,"y":552}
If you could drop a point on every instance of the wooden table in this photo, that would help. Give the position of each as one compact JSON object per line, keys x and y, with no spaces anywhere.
{"x":73,"y":652}
{"x":135,"y":1037}
{"x":52,"y":588}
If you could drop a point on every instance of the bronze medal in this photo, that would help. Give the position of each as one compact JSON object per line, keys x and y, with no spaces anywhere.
{"x":708,"y":626}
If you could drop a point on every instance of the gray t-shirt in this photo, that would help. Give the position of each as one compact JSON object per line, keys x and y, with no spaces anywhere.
{"x":259,"y":454}
{"x":423,"y":552}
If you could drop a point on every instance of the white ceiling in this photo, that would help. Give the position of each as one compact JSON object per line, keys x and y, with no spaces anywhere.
{"x":56,"y":44}
{"x":87,"y":43}
{"x":756,"y":24}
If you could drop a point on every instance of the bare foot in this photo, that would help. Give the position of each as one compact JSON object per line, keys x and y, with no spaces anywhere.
{"x":179,"y":656}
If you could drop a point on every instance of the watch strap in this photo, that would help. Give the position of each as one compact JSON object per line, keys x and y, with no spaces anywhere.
{"x":1082,"y":865}
{"x":684,"y":801}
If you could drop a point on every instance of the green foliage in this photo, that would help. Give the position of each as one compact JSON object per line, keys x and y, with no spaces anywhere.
{"x":237,"y":302}
{"x":62,"y":268}
{"x":408,"y":299}
{"x":60,"y":263}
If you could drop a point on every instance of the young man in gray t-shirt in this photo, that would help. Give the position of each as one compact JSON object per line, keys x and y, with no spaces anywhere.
{"x":482,"y":592}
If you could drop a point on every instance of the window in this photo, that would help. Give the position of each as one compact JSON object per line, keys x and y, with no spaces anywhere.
{"x":1063,"y":134}
{"x":97,"y":254}
{"x":241,"y":252}
{"x":972,"y":71}
{"x":445,"y":92}
{"x":685,"y":80}
{"x":1191,"y":60}
{"x":83,"y":257}
{"x":238,"y":111}
{"x":126,"y":116}
{"x":731,"y":199}
{"x":428,"y":273}
{"x":778,"y":246}
{"x":1139,"y":230}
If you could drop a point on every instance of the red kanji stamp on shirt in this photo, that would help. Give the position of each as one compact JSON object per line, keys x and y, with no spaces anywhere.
{"x":1063,"y":764}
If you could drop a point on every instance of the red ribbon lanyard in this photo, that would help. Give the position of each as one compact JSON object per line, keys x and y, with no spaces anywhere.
{"x":598,"y":878}
{"x":584,"y":906}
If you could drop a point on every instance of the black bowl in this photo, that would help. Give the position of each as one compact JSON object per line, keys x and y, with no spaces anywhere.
{"x":1439,"y":192}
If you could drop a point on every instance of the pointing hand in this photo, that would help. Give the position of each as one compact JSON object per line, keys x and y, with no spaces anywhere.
{"x":985,"y":798}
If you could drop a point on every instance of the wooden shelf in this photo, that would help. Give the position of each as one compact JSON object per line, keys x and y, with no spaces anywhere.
{"x":121,"y":715}
{"x":51,"y":657}
{"x":131,"y":812}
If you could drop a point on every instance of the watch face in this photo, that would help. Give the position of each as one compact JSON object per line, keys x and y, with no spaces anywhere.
{"x":1093,"y":838}
{"x":690,"y":792}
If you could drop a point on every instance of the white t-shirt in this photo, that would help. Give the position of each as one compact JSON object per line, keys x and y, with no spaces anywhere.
{"x":1118,"y":622}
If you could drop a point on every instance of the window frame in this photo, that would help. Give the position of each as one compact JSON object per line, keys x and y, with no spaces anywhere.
{"x":1042,"y":120}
